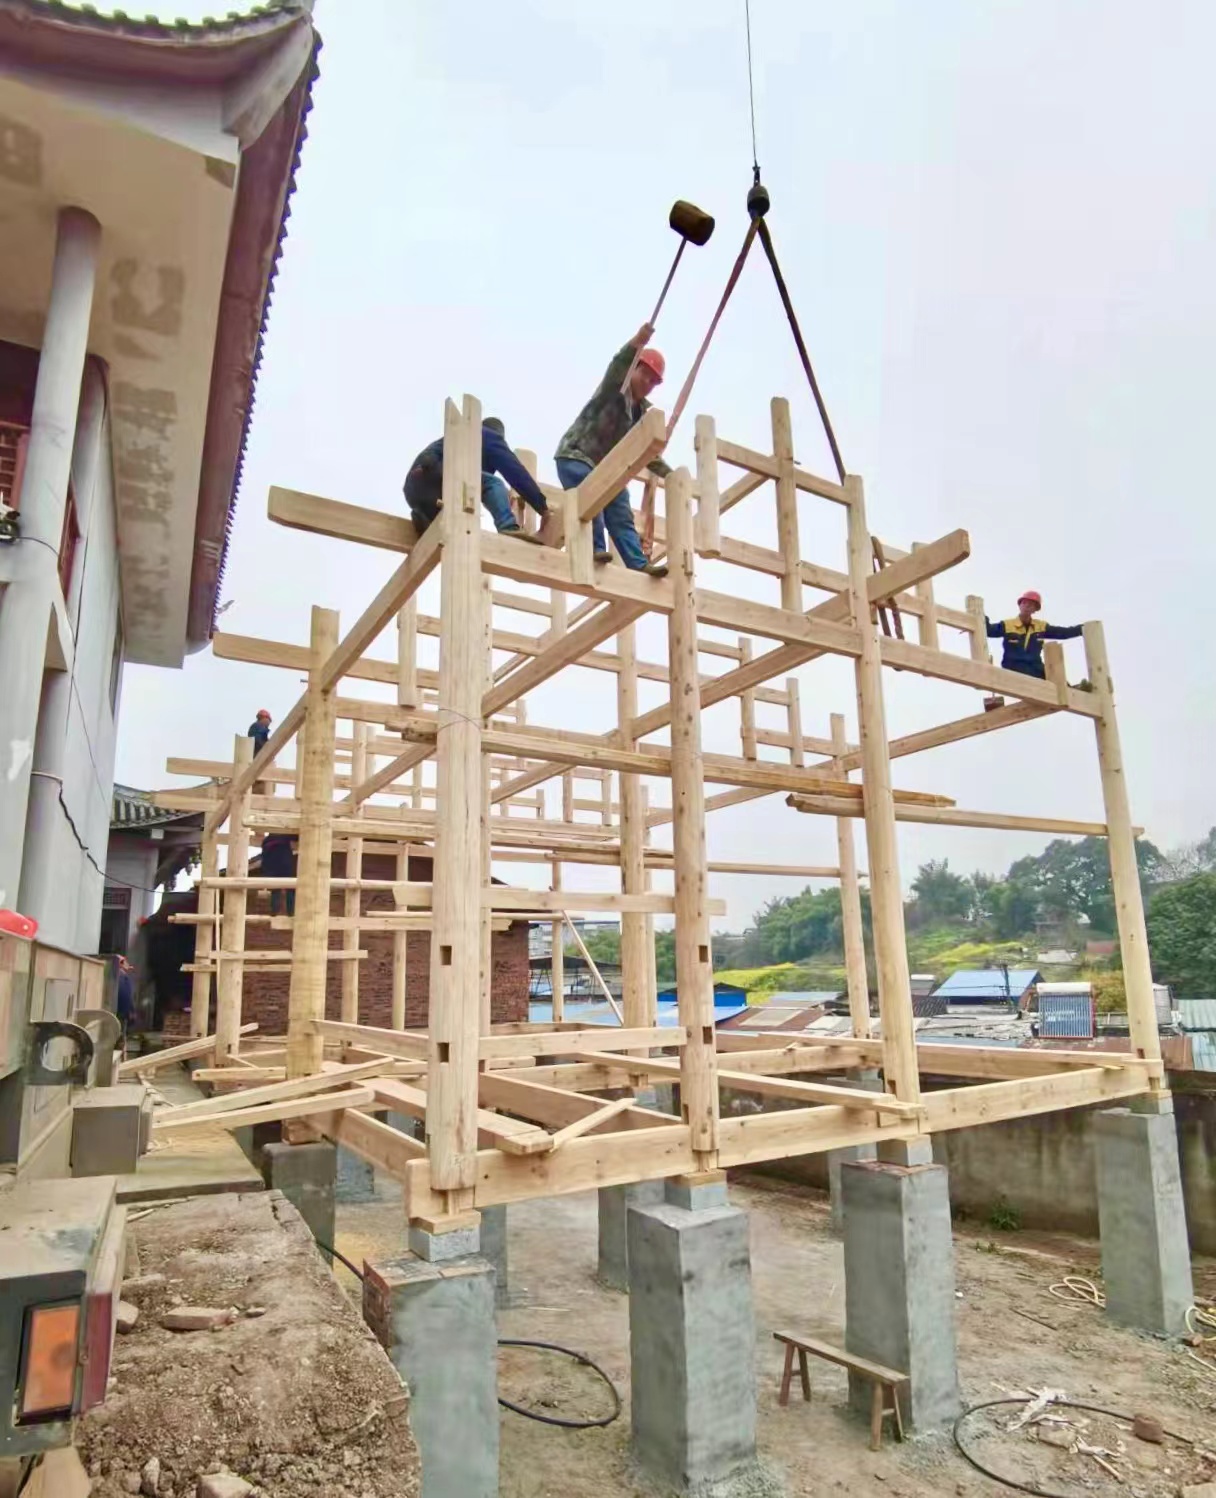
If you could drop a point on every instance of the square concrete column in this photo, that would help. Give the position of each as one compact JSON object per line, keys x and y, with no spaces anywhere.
{"x":436,"y":1322}
{"x":356,"y":1178}
{"x":899,"y":1283}
{"x":1146,"y":1260}
{"x":305,"y":1174}
{"x":836,"y":1158}
{"x":692,"y":1347}
{"x":614,"y":1204}
{"x":494,"y":1250}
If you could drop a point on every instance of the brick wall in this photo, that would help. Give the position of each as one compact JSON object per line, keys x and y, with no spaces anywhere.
{"x":265,"y":993}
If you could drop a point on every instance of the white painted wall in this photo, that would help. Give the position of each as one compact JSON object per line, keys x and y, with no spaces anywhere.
{"x":132,"y":861}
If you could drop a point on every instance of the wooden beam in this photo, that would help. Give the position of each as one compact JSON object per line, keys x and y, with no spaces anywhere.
{"x":173,"y":1055}
{"x":562,"y":653}
{"x":274,"y":1092}
{"x":230,"y":975}
{"x":953,"y":816}
{"x":708,"y":526}
{"x":310,"y":930}
{"x":352,"y":898}
{"x":852,"y":930}
{"x":204,"y":940}
{"x":329,"y":517}
{"x":241,"y":1118}
{"x":642,"y":443}
{"x":906,"y":656}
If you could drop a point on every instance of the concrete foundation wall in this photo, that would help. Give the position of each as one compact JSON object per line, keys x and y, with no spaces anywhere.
{"x":1044,"y":1166}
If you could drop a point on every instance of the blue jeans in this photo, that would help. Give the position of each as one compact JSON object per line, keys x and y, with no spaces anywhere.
{"x":422,"y":491}
{"x":617,"y":514}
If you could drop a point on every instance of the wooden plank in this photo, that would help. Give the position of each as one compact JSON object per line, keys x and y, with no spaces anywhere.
{"x":787,"y":506}
{"x":230,"y":975}
{"x":555,"y":1106}
{"x":204,"y":941}
{"x":635,"y":950}
{"x":455,"y":990}
{"x":591,"y":1121}
{"x":566,"y":1042}
{"x":240,"y":1118}
{"x":310,"y":929}
{"x":852,"y":929}
{"x":590,"y":961}
{"x":386,"y":1148}
{"x":694,"y":961}
{"x":990,"y":1102}
{"x":352,"y":899}
{"x":562,"y":653}
{"x":886,"y":895}
{"x":906,"y":656}
{"x":1121,"y":847}
{"x":953,"y":816}
{"x":708,"y":526}
{"x":274,"y":1092}
{"x":330,"y":517}
{"x":501,"y":1133}
{"x":640,"y":445}
{"x":138,"y":1066}
{"x":410,"y":1044}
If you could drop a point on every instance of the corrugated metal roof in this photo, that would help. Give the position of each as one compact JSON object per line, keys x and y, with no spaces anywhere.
{"x":927,"y":1005}
{"x":987,"y":984}
{"x":1203,"y":1051}
{"x":1198,"y":1014}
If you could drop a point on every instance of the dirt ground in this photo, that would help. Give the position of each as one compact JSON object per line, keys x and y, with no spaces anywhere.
{"x":294,"y":1395}
{"x":1013,"y":1336}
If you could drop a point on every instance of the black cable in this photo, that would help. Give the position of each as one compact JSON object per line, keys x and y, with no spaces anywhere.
{"x":560,"y":1420}
{"x":751,"y":90}
{"x":126,"y":884}
{"x":1067,"y":1404}
{"x":518,"y":1409}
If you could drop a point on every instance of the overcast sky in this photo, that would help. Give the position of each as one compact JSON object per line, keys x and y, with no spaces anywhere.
{"x":996,"y":221}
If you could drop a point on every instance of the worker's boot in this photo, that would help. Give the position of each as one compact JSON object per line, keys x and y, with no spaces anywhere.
{"x":654,"y":569}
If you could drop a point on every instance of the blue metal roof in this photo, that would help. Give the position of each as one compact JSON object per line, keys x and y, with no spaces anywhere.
{"x":1198,"y":1014}
{"x":986,"y":984}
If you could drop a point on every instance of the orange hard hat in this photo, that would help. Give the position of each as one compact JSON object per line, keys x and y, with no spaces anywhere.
{"x":654,"y":361}
{"x":263,"y":712}
{"x":1030,"y":596}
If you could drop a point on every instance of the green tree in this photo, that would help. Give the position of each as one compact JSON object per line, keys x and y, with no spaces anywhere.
{"x":1072,"y":878}
{"x":939,"y":896}
{"x":1182,"y":936}
{"x":604,"y":946}
{"x":665,"y":956}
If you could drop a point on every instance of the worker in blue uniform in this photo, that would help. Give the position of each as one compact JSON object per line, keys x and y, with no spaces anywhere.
{"x":1024,"y":636}
{"x":424,"y":486}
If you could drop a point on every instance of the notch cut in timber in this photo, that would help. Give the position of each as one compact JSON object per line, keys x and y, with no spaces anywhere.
{"x":455,"y":767}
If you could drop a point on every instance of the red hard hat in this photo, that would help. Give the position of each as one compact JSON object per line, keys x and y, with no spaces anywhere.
{"x":653,"y":361}
{"x":263,"y":712}
{"x":1030,"y":596}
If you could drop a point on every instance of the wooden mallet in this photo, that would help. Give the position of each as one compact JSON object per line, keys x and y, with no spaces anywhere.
{"x":694,"y":226}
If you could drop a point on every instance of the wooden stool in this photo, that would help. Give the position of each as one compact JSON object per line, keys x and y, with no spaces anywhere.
{"x":885,"y":1382}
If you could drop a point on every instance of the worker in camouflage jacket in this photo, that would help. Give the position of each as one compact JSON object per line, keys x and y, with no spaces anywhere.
{"x":597,"y":429}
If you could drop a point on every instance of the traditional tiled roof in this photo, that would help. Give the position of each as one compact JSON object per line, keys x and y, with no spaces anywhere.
{"x":132,"y":810}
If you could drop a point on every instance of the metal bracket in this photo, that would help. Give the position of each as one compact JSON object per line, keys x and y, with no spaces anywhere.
{"x":76,"y":1072}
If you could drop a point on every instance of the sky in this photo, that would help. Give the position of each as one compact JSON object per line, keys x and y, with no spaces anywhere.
{"x":996,"y":222}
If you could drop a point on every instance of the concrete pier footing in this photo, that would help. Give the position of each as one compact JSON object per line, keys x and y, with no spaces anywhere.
{"x":1146,"y":1261}
{"x":494,"y":1251}
{"x":899,"y":1284}
{"x":436,"y":1322}
{"x":306,"y":1175}
{"x":614,"y":1204}
{"x":692,"y":1348}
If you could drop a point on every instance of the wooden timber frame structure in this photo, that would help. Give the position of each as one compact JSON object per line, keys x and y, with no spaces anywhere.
{"x":517,"y":1111}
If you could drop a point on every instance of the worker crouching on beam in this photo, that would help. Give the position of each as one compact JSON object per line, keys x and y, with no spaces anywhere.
{"x":597,"y":429}
{"x":424,"y":486}
{"x":1025,"y":635}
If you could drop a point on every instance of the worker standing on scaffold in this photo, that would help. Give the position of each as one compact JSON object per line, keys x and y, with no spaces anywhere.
{"x":1024,"y":636}
{"x":597,"y":429}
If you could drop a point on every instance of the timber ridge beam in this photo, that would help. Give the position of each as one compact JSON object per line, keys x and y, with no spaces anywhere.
{"x":451,"y":768}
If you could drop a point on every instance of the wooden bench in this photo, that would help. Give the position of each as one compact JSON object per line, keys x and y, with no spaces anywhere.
{"x":886,"y":1383}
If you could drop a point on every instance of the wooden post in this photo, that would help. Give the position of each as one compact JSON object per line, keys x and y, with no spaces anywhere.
{"x":927,"y":632}
{"x":204,"y":941}
{"x":1121,"y":842}
{"x":400,"y":947}
{"x":310,"y":926}
{"x":557,"y":959}
{"x":979,"y":636}
{"x":793,"y":715}
{"x":634,"y":989}
{"x":352,"y":899}
{"x":787,"y":506}
{"x":850,"y":907}
{"x":230,"y":975}
{"x":455,"y":1014}
{"x":886,"y":896}
{"x":485,"y":939}
{"x":694,"y":965}
{"x":652,"y":979}
{"x":747,"y":706}
{"x":709,"y":526}
{"x":407,"y":653}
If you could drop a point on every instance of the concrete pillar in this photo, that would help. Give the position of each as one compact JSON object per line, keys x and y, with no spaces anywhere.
{"x":29,"y":597}
{"x":305,"y":1174}
{"x":494,"y":1250}
{"x":899,"y":1283}
{"x":872,"y":1082}
{"x":436,"y":1322}
{"x":355,"y":1179}
{"x":1146,"y":1259}
{"x":692,"y":1337}
{"x":614,"y":1204}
